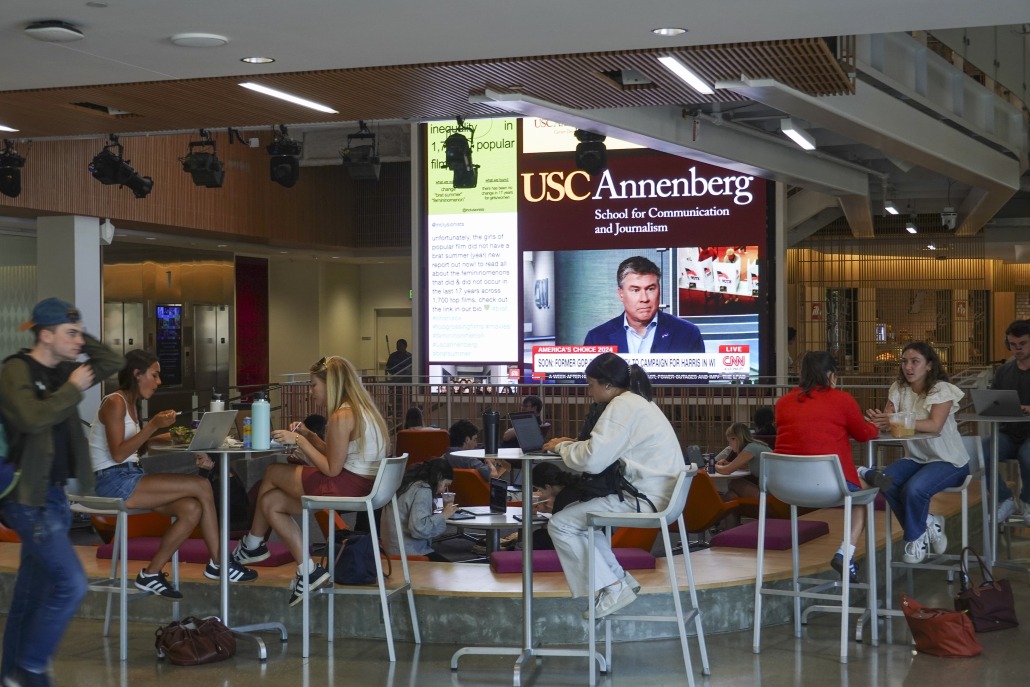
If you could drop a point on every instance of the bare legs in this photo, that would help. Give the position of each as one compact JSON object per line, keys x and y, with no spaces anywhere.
{"x":278,"y":501}
{"x":189,"y":500}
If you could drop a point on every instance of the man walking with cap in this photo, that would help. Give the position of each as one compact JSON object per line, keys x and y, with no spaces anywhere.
{"x":40,"y":390}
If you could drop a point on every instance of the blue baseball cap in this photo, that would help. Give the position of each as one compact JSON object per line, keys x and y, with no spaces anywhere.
{"x":51,"y":312}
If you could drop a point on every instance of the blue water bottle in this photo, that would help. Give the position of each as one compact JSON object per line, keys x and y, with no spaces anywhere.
{"x":247,"y":423}
{"x":262,"y":429}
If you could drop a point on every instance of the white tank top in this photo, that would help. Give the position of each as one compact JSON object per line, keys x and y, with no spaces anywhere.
{"x":99,"y":451}
{"x":365,"y":461}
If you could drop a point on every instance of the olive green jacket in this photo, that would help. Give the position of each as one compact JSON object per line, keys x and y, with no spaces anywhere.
{"x":30,"y":420}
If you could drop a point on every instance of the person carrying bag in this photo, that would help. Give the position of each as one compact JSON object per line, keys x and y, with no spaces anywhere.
{"x":990,"y":604}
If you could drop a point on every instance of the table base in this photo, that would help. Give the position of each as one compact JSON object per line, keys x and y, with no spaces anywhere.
{"x":524,"y":655}
{"x":246,"y":632}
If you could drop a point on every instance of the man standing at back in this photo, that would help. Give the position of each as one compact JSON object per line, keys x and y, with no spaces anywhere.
{"x":40,"y":390}
{"x":398,"y":371}
{"x":642,"y":328}
{"x":1014,"y":438}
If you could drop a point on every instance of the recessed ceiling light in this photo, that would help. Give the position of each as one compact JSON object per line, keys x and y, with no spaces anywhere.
{"x":6,"y":128}
{"x":681,"y":70}
{"x":151,"y":238}
{"x":54,"y":31}
{"x":222,"y":245}
{"x":668,"y":31}
{"x":289,"y":97}
{"x":198,"y":40}
{"x":257,"y":60}
{"x":283,"y":252}
{"x":98,"y":5}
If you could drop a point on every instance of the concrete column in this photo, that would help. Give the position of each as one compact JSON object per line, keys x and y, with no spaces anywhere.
{"x":68,"y":266}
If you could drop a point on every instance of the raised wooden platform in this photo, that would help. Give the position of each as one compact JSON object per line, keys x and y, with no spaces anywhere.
{"x":464,"y":602}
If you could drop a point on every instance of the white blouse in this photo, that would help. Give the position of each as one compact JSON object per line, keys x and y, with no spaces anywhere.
{"x":948,"y":446}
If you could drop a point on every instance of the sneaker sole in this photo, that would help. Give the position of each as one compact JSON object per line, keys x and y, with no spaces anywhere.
{"x":312,"y":586}
{"x":170,"y":597}
{"x":243,"y":559}
{"x":241,"y":578}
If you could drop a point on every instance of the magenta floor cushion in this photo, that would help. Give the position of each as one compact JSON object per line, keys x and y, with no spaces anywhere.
{"x":777,"y":534}
{"x":547,"y":560}
{"x":193,"y":551}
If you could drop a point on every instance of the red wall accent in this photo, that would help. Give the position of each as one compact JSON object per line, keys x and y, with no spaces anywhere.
{"x":251,"y":321}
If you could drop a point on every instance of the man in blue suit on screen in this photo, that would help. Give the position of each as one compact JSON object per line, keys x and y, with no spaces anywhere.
{"x":642,"y":328}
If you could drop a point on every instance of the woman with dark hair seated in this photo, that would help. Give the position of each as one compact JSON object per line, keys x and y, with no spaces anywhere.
{"x":415,"y":496}
{"x":631,"y":430}
{"x":413,"y":418}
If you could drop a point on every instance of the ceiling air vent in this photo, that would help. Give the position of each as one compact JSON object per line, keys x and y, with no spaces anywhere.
{"x":627,"y":79}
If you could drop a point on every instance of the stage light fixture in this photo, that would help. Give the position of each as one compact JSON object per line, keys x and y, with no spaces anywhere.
{"x":284,"y":165}
{"x":109,"y":168}
{"x":791,"y":130}
{"x":204,"y":166}
{"x":10,"y":170}
{"x":360,"y":157}
{"x":458,"y":151}
{"x":591,"y":153}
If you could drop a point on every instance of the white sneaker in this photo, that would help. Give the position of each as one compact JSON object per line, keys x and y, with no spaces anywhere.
{"x":935,"y":533}
{"x":1005,"y":510}
{"x":611,"y":600}
{"x":632,"y":582}
{"x":915,"y":551}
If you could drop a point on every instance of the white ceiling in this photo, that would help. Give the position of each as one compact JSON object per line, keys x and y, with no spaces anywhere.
{"x":127,"y":40}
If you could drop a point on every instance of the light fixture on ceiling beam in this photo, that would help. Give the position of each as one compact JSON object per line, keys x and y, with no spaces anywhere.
{"x":361,"y":157}
{"x":10,"y":170}
{"x":204,"y":166}
{"x":890,"y":208}
{"x":676,"y":66}
{"x":284,"y":164}
{"x":289,"y":97}
{"x":458,"y":152}
{"x":795,"y":133}
{"x":910,"y":227}
{"x":109,"y":168}
{"x":591,"y":153}
{"x":7,"y":128}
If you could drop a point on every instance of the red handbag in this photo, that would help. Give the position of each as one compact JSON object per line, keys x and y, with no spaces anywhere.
{"x":940,"y":632}
{"x":990,"y":604}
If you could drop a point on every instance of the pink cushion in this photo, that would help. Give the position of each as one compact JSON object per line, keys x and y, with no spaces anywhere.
{"x":193,"y":551}
{"x":777,"y":534}
{"x":547,"y":560}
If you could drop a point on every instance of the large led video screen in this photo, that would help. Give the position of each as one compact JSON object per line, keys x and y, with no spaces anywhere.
{"x":521,"y":272}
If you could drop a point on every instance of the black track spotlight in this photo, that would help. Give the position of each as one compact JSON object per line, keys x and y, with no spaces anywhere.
{"x":591,"y":153}
{"x":109,"y":168}
{"x":458,"y":151}
{"x":284,"y":166}
{"x":10,"y":170}
{"x":203,"y":165}
{"x":361,"y":157}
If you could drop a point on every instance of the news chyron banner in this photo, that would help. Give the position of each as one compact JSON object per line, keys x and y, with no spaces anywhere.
{"x":566,"y":363}
{"x":472,"y":246}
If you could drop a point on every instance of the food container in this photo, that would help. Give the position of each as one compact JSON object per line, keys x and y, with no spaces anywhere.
{"x":903,"y":424}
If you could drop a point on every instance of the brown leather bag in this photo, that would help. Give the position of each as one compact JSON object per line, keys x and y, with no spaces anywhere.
{"x":940,"y":632}
{"x":989,"y":604}
{"x":194,"y":641}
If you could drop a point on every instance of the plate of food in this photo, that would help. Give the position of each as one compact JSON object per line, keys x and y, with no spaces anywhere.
{"x":181,"y":436}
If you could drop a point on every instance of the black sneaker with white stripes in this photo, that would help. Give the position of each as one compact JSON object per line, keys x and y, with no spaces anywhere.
{"x":315,"y":579}
{"x":157,"y":584}
{"x":237,"y":573}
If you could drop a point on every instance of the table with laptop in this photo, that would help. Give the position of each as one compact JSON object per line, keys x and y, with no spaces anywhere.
{"x":531,"y":440}
{"x":995,"y":407}
{"x":211,"y":437}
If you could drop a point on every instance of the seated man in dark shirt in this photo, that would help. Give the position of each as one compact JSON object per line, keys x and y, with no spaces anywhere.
{"x":465,"y":436}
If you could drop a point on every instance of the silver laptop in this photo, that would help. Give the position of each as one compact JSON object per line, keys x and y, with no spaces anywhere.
{"x":996,"y":402}
{"x":214,"y":428}
{"x":528,"y":434}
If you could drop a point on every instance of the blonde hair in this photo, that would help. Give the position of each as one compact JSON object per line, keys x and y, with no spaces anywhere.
{"x":344,"y":387}
{"x":742,"y":433}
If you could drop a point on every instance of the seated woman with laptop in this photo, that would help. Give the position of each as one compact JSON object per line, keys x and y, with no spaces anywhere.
{"x":115,"y":438}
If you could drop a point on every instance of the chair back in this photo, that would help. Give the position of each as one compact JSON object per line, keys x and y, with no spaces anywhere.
{"x":469,"y":488}
{"x":811,"y":481}
{"x":705,"y":506}
{"x":388,"y":480}
{"x":422,"y":444}
{"x":974,"y":447}
{"x":678,"y":498}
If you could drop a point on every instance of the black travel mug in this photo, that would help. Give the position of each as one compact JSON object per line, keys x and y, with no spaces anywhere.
{"x":491,"y":422}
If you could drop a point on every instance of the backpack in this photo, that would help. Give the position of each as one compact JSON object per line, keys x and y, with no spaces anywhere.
{"x":9,"y":471}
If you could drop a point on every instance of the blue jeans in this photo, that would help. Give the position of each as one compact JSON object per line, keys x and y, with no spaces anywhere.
{"x":1009,"y":449}
{"x":914,"y":485}
{"x":50,"y":584}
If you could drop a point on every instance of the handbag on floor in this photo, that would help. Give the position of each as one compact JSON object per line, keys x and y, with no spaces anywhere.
{"x":940,"y":632}
{"x":990,"y":604}
{"x":195,"y":641}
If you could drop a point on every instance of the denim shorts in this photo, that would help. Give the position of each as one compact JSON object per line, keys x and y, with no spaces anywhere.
{"x":118,"y":482}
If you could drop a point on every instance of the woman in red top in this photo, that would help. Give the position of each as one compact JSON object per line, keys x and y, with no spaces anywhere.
{"x":817,"y":419}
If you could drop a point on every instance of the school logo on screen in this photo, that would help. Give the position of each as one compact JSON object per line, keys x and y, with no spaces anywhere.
{"x":578,"y":186}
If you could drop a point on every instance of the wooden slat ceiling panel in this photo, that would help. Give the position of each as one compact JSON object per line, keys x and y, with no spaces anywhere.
{"x":425,"y":91}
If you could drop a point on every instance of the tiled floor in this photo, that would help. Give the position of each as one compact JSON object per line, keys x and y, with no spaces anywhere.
{"x":85,"y":659}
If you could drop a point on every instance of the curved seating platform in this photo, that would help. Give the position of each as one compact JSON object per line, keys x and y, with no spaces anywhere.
{"x":466,"y":603}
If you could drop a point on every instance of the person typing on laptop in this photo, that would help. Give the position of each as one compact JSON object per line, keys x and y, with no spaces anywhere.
{"x":1014,"y":438}
{"x":464,"y":436}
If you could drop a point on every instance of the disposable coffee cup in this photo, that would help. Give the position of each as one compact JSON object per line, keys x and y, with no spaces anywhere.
{"x":902,"y":424}
{"x":448,"y":498}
